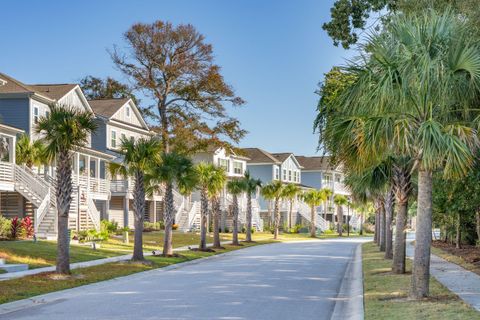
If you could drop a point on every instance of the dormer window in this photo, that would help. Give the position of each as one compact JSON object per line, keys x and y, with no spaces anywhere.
{"x":223,"y":163}
{"x":127,"y":111}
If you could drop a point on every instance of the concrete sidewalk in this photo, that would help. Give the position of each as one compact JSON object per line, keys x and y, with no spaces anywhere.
{"x":85,"y":264}
{"x":460,"y":281}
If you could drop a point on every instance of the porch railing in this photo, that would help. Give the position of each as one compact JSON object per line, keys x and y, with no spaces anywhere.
{"x":6,"y":171}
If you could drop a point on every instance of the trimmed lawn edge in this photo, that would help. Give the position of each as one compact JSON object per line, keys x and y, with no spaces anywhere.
{"x":20,"y":302}
{"x":456,"y":260}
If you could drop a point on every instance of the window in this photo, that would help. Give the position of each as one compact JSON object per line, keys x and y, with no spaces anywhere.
{"x":223,"y":163}
{"x":284,"y":174}
{"x":35,"y":115}
{"x":277,"y":173}
{"x":132,"y":138}
{"x":114,"y":139}
{"x":338,"y":178}
{"x":47,"y":114}
{"x":127,"y":111}
{"x":237,"y":167}
{"x":298,"y":176}
{"x":289,"y":175}
{"x":124,"y":137}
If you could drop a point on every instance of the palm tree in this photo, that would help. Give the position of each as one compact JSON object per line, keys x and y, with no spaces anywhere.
{"x":275,"y":191}
{"x":415,"y":93}
{"x":267,"y":193}
{"x":290,"y":192}
{"x":328,"y":195}
{"x":314,"y":198}
{"x":204,"y":171}
{"x":64,"y":131}
{"x":251,"y":186}
{"x":235,"y":188}
{"x":174,"y":169}
{"x":28,"y":152}
{"x":139,"y":158}
{"x":218,"y":179}
{"x":340,"y":201}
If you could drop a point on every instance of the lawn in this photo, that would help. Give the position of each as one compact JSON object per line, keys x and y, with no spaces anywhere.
{"x":468,"y":257}
{"x":25,"y":287}
{"x":386,"y":294}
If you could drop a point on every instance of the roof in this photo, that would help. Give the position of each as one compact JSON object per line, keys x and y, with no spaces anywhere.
{"x":14,"y":86}
{"x":53,"y":91}
{"x":282,"y":156}
{"x":107,"y":107}
{"x":314,"y":163}
{"x":258,"y":155}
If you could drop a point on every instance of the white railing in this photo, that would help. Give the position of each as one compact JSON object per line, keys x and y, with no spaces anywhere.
{"x":194,"y":211}
{"x":305,"y":211}
{"x":118,"y":186}
{"x":93,"y":213}
{"x":35,"y":185}
{"x":179,"y":203}
{"x":42,"y":211}
{"x":6,"y":171}
{"x":256,"y":215}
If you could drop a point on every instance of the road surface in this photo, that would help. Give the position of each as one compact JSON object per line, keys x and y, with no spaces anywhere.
{"x":293,"y":280}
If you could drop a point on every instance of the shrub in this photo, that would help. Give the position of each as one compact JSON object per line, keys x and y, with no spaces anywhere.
{"x":174,"y":226}
{"x":153,"y":226}
{"x":244,"y":229}
{"x":5,"y":228}
{"x":109,"y":226}
{"x":94,"y":235}
{"x":329,"y":231}
{"x":27,"y":226}
{"x":16,"y":228}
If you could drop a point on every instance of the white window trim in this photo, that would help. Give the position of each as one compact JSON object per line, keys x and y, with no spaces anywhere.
{"x":113,"y":138}
{"x":36,"y":114}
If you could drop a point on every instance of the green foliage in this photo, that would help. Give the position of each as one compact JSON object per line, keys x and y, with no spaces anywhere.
{"x":29,"y":152}
{"x":153,"y":226}
{"x":109,"y":226}
{"x":108,"y":88}
{"x":5,"y":228}
{"x":244,"y":229}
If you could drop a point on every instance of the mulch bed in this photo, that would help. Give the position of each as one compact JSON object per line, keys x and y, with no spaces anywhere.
{"x":470,"y":254}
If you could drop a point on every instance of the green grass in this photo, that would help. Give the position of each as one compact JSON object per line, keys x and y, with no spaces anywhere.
{"x":26,"y":287}
{"x":386,"y":294}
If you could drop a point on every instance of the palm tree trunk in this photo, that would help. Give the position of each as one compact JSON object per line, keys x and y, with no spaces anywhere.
{"x":340,"y":220}
{"x":423,"y":237}
{"x":276,"y":225}
{"x":216,"y":222}
{"x":168,"y":220}
{"x":377,"y":224}
{"x":248,"y":237}
{"x":398,"y":265}
{"x":235,"y":221}
{"x":458,"y":235}
{"x":382,"y":233}
{"x":361,"y":224}
{"x":389,"y":203}
{"x":313,"y":227}
{"x":203,"y":219}
{"x":139,"y":213}
{"x":290,"y":214}
{"x":64,"y":198}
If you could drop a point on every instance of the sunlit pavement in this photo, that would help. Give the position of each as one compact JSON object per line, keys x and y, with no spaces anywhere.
{"x":295,"y":280}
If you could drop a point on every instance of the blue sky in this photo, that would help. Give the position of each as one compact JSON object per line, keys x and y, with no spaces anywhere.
{"x":272,"y":52}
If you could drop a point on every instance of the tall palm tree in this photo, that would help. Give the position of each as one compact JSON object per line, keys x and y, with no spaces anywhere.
{"x":204,"y":171}
{"x":173,"y":169}
{"x":139,"y":158}
{"x":251,"y":186}
{"x":215,"y":187}
{"x":415,"y":93}
{"x":28,"y":152}
{"x":65,"y":130}
{"x":328,"y":195}
{"x":340,"y":201}
{"x":235,"y":188}
{"x":267,"y":193}
{"x":314,"y":198}
{"x":275,"y":190}
{"x":290,"y":193}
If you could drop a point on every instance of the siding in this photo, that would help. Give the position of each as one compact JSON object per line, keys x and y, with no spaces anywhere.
{"x":265,"y":174}
{"x":312,"y":179}
{"x":99,"y":137}
{"x":119,"y":131}
{"x":121,"y":115}
{"x":15,"y":113}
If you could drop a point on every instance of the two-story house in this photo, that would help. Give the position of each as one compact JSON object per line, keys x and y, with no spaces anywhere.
{"x":120,"y":119}
{"x":21,"y":106}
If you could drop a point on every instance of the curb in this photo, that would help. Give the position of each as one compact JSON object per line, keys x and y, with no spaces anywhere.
{"x":51,"y":297}
{"x":349,"y":302}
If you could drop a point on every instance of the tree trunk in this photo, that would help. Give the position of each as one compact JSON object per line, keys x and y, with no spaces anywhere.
{"x":64,"y":199}
{"x":162,"y":111}
{"x":139,"y":213}
{"x":313,"y":225}
{"x":340,"y":220}
{"x":235,"y":221}
{"x":203,"y":219}
{"x":168,"y":220}
{"x":361,"y":224}
{"x":389,"y":203}
{"x":248,"y":236}
{"x":277,"y":219}
{"x":458,"y":235}
{"x":382,"y":226}
{"x":477,"y":225}
{"x":398,"y":265}
{"x":290,"y":215}
{"x":423,"y":237}
{"x":216,"y":222}
{"x":376,"y":229}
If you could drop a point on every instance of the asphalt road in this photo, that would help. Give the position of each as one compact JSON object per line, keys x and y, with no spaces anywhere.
{"x":299,"y":280}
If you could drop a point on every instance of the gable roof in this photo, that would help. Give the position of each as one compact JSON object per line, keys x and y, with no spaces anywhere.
{"x":107,"y":107}
{"x":314,"y":163}
{"x":282,"y":156}
{"x":258,"y":155}
{"x":53,"y":91}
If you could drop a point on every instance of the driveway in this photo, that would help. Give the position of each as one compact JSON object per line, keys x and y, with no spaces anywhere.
{"x":296,"y":280}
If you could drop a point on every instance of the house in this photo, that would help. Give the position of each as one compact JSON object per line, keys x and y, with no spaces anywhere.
{"x":21,"y":106}
{"x":319,"y":172}
{"x":120,"y":119}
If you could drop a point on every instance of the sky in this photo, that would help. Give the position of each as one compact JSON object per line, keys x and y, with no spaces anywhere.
{"x":272,"y":52}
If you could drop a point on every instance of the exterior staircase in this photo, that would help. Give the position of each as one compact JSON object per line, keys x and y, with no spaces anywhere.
{"x":304,"y":211}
